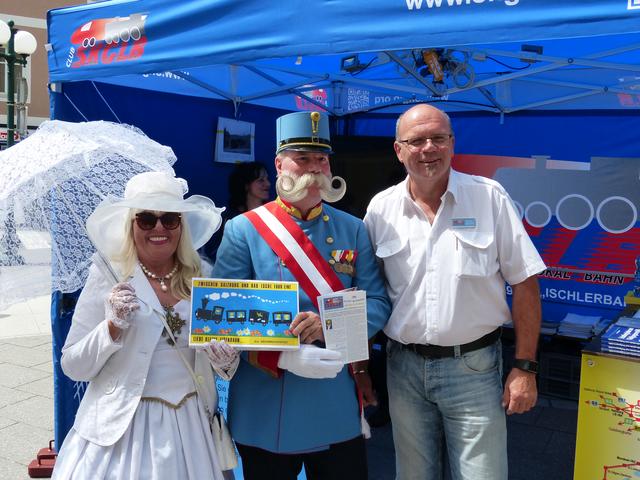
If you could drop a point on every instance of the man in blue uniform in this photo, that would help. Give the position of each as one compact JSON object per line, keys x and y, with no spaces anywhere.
{"x":295,"y":408}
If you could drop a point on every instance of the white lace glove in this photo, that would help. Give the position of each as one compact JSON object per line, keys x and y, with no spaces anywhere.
{"x":311,"y":362}
{"x":223,"y":358}
{"x":119,"y":305}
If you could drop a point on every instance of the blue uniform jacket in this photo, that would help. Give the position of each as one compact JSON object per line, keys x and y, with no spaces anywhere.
{"x":279,"y":411}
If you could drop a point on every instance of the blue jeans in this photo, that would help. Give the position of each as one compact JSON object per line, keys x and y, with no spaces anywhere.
{"x":455,"y":399}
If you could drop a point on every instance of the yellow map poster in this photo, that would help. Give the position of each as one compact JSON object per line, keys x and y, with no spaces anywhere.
{"x":608,"y":441}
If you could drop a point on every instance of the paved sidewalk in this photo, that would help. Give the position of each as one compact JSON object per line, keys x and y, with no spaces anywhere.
{"x":26,"y":386}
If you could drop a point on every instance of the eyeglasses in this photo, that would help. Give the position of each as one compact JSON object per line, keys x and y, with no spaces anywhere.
{"x":148,"y":220}
{"x":439,"y":140}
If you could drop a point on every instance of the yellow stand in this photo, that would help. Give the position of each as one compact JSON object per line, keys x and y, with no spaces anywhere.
{"x":631,"y":299}
{"x":608,"y":422}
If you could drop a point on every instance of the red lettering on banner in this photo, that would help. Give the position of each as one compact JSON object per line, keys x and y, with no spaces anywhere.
{"x":107,"y":54}
{"x":93,"y":57}
{"x":138,"y":48}
{"x":133,"y":53}
{"x":82,"y":58}
{"x":121,"y":54}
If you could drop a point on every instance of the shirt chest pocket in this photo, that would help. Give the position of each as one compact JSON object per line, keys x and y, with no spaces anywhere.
{"x":398,"y":261}
{"x":475,"y":253}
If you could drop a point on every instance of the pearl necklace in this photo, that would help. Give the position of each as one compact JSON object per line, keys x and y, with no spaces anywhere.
{"x":160,"y":278}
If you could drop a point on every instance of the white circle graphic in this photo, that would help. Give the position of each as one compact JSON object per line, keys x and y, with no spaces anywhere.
{"x":527,"y":214}
{"x":581,"y":197}
{"x":618,"y":230}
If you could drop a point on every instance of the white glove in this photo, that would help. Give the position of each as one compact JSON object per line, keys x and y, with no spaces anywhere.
{"x":223,"y":358}
{"x":311,"y":362}
{"x":119,"y":305}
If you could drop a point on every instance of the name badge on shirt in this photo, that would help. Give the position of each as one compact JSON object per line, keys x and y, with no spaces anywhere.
{"x":463,"y":223}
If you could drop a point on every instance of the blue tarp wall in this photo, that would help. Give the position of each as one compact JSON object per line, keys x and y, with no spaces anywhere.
{"x":573,"y":137}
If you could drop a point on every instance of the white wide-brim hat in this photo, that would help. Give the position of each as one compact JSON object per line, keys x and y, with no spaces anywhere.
{"x":158,"y":191}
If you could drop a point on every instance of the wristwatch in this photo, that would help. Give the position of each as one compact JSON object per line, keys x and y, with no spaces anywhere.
{"x":530,"y":366}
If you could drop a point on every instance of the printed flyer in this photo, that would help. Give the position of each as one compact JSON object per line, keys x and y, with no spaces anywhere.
{"x":344,"y":323}
{"x":248,"y":314}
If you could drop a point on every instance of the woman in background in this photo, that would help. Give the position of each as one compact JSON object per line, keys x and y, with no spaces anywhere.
{"x":249,"y":187}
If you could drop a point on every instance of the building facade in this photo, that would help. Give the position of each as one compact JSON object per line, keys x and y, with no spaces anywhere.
{"x":30,"y":15}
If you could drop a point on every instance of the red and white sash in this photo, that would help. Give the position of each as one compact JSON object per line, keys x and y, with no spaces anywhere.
{"x":291,"y":244}
{"x":304,"y":261}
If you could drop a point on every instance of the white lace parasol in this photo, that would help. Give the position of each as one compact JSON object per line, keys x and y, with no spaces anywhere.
{"x":49,"y":184}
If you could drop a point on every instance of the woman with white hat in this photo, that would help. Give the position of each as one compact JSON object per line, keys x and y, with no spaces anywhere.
{"x":143,"y":414}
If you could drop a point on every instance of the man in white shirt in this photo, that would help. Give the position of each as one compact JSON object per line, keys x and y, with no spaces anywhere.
{"x":448,"y":241}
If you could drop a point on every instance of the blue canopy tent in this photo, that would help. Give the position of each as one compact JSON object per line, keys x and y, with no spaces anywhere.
{"x":262,"y":52}
{"x":531,"y":85}
{"x":349,"y":58}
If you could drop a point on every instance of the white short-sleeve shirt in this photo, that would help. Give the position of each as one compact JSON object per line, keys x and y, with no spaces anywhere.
{"x":446,"y":280}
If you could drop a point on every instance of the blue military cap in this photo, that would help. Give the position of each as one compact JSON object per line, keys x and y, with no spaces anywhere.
{"x":303,"y":131}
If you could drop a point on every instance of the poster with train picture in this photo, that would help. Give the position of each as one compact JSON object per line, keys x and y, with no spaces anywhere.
{"x":248,"y":314}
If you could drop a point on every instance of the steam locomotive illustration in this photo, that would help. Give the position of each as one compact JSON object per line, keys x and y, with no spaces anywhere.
{"x":110,"y":30}
{"x":205,"y":314}
{"x":217,"y":314}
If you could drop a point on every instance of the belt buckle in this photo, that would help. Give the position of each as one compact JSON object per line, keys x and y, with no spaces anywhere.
{"x":427,"y":351}
{"x":417,"y":348}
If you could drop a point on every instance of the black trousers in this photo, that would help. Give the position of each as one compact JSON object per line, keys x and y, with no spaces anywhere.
{"x":342,"y":461}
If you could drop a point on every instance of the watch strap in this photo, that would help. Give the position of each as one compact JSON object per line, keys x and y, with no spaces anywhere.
{"x":526,"y":365}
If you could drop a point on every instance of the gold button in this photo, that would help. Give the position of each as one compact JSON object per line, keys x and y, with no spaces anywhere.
{"x":331,"y":261}
{"x":329,"y":240}
{"x":325,"y":218}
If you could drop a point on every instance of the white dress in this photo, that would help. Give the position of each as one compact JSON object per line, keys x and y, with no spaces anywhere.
{"x":165,"y":440}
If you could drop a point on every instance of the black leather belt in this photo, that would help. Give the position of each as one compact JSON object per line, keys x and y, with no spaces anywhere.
{"x":437,"y":351}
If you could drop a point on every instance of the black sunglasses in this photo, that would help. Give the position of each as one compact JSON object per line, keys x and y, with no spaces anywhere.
{"x":148,"y":220}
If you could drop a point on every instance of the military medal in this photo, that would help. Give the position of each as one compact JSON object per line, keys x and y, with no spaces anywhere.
{"x":343,"y":261}
{"x":342,"y":268}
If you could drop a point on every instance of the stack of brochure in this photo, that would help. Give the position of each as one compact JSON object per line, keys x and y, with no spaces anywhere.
{"x":629,"y":321}
{"x":623,"y":337}
{"x":548,"y":328}
{"x":601,"y":326}
{"x":573,"y":325}
{"x":578,"y":326}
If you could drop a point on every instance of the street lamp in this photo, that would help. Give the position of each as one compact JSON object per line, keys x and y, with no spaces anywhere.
{"x":18,"y":45}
